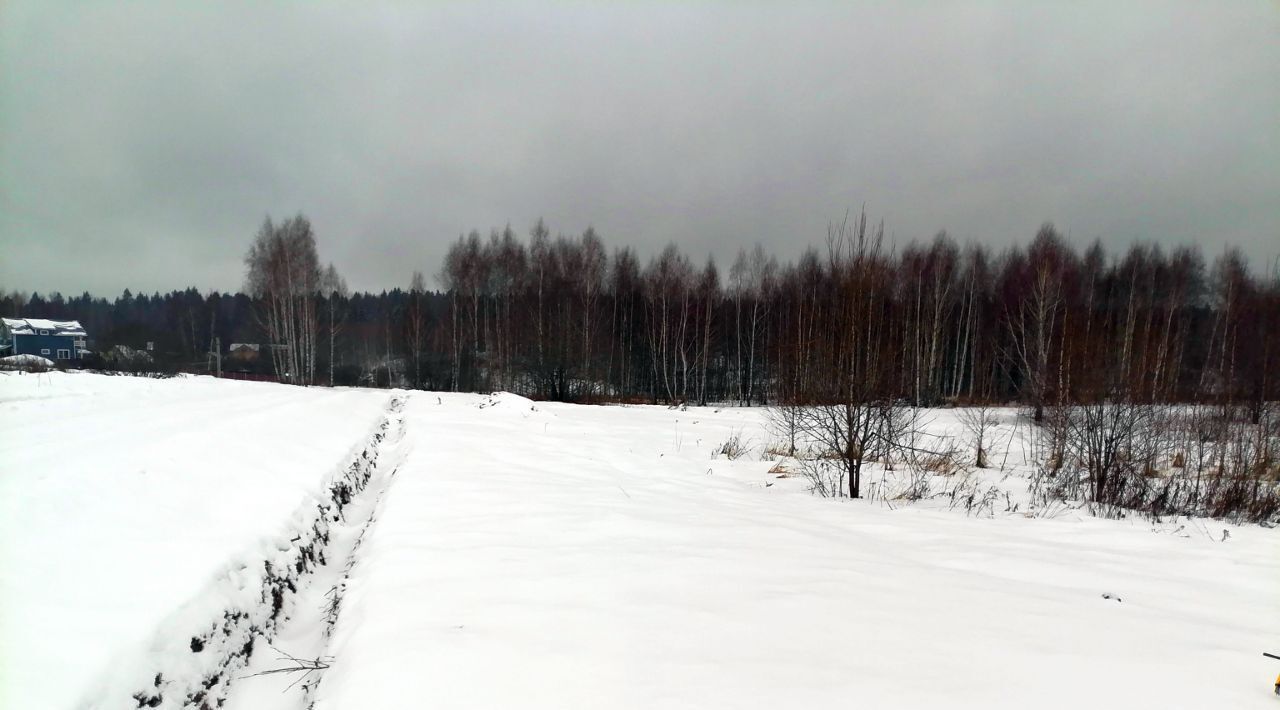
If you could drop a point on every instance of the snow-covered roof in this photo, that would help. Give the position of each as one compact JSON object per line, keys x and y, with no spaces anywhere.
{"x":31,"y":326}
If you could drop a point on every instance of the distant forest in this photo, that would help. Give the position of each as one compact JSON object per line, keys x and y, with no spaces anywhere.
{"x":564,"y":318}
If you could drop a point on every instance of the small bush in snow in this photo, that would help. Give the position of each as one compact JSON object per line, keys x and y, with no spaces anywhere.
{"x":733,"y":448}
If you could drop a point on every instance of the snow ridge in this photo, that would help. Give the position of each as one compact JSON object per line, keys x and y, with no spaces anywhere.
{"x":202,"y":649}
{"x":302,"y":642}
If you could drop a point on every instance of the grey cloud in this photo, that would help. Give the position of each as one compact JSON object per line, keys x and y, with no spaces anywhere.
{"x":141,"y":145}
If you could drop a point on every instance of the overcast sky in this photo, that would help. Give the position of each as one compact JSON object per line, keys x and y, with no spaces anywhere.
{"x":142,"y":144}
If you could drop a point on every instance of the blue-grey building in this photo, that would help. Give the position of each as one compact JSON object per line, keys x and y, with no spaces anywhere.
{"x":54,"y":339}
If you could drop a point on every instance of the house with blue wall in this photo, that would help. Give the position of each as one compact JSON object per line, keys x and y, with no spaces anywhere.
{"x":53,"y":339}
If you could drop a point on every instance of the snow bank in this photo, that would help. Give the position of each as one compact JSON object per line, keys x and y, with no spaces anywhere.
{"x":198,"y":652}
{"x":25,"y":361}
{"x":122,"y":500}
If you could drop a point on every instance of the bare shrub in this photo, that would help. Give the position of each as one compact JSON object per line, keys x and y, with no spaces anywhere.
{"x":776,"y":451}
{"x":969,"y":494}
{"x":917,"y":485}
{"x":825,"y":475}
{"x":733,"y":448}
{"x":1158,"y":461}
{"x":923,"y":465}
{"x":979,"y":421}
{"x":842,"y":434}
{"x":784,"y":421}
{"x":945,"y":463}
{"x":304,"y":667}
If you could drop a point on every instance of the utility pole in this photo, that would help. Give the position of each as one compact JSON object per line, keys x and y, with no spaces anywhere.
{"x":217,"y":355}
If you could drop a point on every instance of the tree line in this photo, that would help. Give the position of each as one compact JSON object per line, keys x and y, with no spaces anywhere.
{"x":930,"y":323}
{"x":1153,"y":375}
{"x":565,"y":318}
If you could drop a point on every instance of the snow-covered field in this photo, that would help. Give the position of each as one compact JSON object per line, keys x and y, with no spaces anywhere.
{"x":125,"y":503}
{"x":493,"y":552}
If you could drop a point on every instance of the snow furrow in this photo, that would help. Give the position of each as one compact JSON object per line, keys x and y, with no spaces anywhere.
{"x":287,"y":675}
{"x":203,"y":649}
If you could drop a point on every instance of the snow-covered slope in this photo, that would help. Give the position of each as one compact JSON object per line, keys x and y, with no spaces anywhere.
{"x":123,"y":500}
{"x":501,"y":553}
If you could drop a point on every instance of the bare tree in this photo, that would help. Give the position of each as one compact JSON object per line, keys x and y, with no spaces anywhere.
{"x":1035,"y":321}
{"x":848,"y":414}
{"x":19,"y":300}
{"x":591,"y":284}
{"x":752,"y":279}
{"x":284,"y":272}
{"x":708,"y":294}
{"x":417,"y":323}
{"x":784,"y":421}
{"x":978,"y":421}
{"x":334,"y":289}
{"x":452,"y":278}
{"x":624,"y":290}
{"x":540,"y":265}
{"x":668,"y":291}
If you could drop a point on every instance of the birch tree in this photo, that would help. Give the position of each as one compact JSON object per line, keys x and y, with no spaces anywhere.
{"x":334,"y":289}
{"x":416,"y":324}
{"x":284,"y":274}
